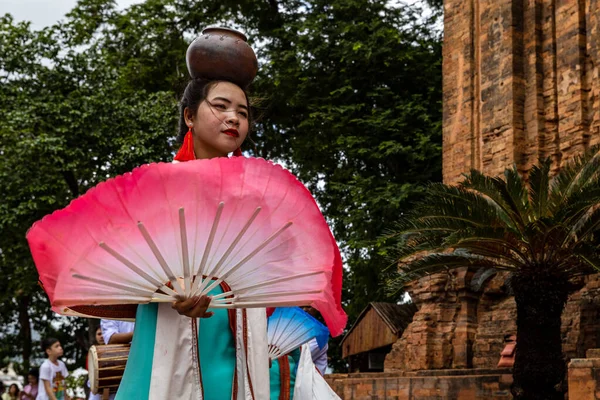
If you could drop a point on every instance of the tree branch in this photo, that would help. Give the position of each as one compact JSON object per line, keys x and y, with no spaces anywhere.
{"x":71,"y":182}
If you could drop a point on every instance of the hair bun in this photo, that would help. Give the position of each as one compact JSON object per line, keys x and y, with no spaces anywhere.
{"x":222,"y":54}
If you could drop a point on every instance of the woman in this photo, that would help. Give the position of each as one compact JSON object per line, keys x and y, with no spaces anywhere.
{"x":98,"y":336}
{"x":98,"y":340}
{"x":12,"y":394}
{"x":233,"y":360}
{"x":30,"y":390}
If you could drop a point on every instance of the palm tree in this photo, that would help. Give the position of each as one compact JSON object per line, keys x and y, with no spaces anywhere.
{"x":542,"y":230}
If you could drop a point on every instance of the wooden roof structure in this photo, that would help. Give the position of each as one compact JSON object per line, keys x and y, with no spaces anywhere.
{"x":378,"y":325}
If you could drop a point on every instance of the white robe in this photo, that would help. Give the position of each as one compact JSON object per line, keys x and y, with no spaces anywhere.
{"x":310,"y":385}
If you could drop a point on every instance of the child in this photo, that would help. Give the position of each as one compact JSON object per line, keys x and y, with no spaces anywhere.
{"x":30,"y":391}
{"x":53,"y":372}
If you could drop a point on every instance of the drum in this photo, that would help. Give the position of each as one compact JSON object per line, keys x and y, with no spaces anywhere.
{"x":106,"y":366}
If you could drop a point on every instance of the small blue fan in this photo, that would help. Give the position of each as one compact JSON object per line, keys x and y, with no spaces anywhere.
{"x":289,"y":328}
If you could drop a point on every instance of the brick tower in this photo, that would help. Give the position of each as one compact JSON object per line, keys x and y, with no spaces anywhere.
{"x":521,"y":82}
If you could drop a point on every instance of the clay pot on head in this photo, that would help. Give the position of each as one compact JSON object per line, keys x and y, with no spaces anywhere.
{"x":222,"y":54}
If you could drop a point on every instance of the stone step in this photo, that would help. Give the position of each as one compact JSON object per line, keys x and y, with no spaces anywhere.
{"x":592,"y":353}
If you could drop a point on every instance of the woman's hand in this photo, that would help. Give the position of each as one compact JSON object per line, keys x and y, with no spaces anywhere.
{"x":194,"y":307}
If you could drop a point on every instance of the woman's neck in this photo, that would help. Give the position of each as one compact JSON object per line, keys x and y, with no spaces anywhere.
{"x":201,"y":152}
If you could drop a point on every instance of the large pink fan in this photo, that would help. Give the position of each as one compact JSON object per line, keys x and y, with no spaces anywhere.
{"x":167,"y":231}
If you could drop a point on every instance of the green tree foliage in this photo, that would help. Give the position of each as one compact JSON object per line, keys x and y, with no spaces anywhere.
{"x":350,"y":101}
{"x":355,"y":109}
{"x":543,"y":231}
{"x":65,"y":126}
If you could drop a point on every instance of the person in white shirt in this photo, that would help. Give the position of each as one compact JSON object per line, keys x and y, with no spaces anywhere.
{"x":319,"y":355}
{"x":114,"y":332}
{"x":117,"y":332}
{"x":51,"y":385}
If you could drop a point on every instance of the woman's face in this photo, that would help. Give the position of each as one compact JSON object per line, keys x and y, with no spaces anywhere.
{"x":221,"y":123}
{"x":99,"y":338}
{"x":14,"y":390}
{"x":32,"y":380}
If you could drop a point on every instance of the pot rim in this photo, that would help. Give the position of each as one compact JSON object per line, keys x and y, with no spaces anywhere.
{"x":213,"y":29}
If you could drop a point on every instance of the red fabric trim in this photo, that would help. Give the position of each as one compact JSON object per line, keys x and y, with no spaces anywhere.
{"x":196,"y":355}
{"x":232,"y":312}
{"x":284,"y":377}
{"x":245,"y":326}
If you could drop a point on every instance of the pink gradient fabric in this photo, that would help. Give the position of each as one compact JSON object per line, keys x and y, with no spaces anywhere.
{"x":67,"y":242}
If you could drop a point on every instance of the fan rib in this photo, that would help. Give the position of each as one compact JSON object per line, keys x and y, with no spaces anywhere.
{"x":257,"y":296}
{"x":136,"y":269}
{"x":249,"y":256}
{"x":185,"y":254}
{"x":112,"y":285}
{"x":160,"y":259}
{"x":261,"y":304}
{"x":209,"y":242}
{"x":288,"y":293}
{"x":162,"y":298}
{"x":267,"y":283}
{"x":275,"y":329}
{"x":293,"y":342}
{"x":215,"y":270}
{"x":280,"y":332}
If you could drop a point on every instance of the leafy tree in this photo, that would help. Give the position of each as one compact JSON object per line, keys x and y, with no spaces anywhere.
{"x":66,"y":125}
{"x":355,"y":110}
{"x":542,"y":229}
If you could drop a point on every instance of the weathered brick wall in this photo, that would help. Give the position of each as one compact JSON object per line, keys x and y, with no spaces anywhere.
{"x":489,"y":386}
{"x":584,"y":379}
{"x":521,"y":81}
{"x":441,"y":332}
{"x":581,"y":320}
{"x":496,"y":317}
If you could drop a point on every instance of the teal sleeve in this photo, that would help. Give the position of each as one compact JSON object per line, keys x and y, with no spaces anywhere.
{"x":135,"y":384}
{"x":275,"y":377}
{"x":216,"y":347}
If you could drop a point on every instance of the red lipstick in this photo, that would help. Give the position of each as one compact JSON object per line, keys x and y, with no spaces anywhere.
{"x":232,"y":132}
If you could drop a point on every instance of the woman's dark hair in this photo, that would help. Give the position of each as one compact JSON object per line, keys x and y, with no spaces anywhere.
{"x":194,"y":94}
{"x":35,"y":373}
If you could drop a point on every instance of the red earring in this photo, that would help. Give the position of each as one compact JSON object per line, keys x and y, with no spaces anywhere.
{"x":186,"y":151}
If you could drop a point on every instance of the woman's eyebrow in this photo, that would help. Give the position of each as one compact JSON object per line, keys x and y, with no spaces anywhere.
{"x":228,"y":101}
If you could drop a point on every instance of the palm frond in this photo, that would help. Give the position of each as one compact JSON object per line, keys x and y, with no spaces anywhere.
{"x":412,"y":244}
{"x":586,"y":226}
{"x":458,"y":203}
{"x":496,"y":191}
{"x":588,"y":255}
{"x":547,"y":226}
{"x":494,"y":249}
{"x":573,"y":177}
{"x":579,"y":204}
{"x":539,"y":188}
{"x":438,"y":262}
{"x":518,"y":194}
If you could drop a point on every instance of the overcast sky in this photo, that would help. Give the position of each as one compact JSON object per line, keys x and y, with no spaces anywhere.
{"x":44,"y":12}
